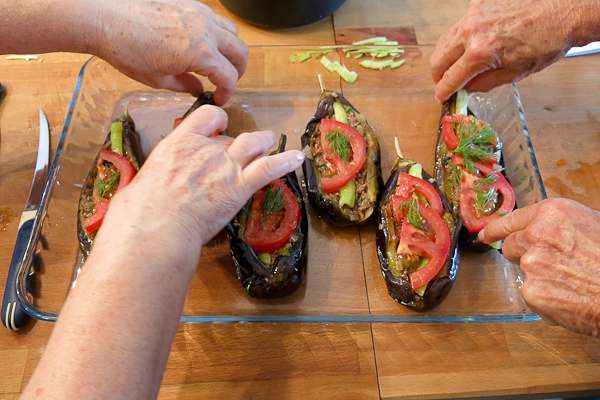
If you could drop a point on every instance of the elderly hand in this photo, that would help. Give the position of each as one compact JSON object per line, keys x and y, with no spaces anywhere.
{"x":161,"y":42}
{"x":191,"y":185}
{"x":503,"y":41}
{"x":557,"y":244}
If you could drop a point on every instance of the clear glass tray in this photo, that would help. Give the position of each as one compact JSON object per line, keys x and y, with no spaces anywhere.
{"x":344,"y":282}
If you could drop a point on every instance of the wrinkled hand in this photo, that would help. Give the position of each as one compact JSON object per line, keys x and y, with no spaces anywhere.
{"x":503,"y":41}
{"x":161,"y":42}
{"x":192,"y":185}
{"x":557,"y":244}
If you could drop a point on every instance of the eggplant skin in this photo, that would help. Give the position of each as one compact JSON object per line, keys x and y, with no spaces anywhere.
{"x":288,"y":271}
{"x":399,"y":288}
{"x":327,"y":207}
{"x":133,"y":151}
{"x":467,"y":240}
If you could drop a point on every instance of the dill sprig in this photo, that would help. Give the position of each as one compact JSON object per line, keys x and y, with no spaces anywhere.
{"x":103,"y":187}
{"x":339,"y":143}
{"x":411,"y":208}
{"x":480,"y":184}
{"x":470,"y":139}
{"x":272,"y":203}
{"x":454,"y":173}
{"x":482,"y":198}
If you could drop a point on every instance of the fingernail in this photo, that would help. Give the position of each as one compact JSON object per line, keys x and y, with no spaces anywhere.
{"x":300,"y":156}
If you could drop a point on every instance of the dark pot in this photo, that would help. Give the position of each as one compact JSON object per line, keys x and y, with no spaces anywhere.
{"x":281,"y":13}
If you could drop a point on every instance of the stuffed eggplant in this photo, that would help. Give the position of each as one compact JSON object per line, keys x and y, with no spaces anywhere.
{"x":204,"y":98}
{"x":116,"y":164}
{"x":469,"y":170}
{"x":342,"y":168}
{"x":417,"y":238}
{"x":268,"y":239}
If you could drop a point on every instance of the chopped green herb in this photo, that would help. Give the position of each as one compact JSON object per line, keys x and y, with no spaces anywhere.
{"x":104,"y":187}
{"x":412,"y":213}
{"x":482,"y":198}
{"x":339,"y":144}
{"x":469,"y":137}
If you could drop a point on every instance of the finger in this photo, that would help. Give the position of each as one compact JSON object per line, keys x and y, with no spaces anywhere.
{"x":225,"y":23}
{"x":222,"y":74}
{"x":447,"y":52}
{"x":236,"y":51}
{"x":265,"y":169}
{"x":204,"y":121}
{"x":247,"y":146}
{"x":515,"y":221}
{"x":185,"y":82}
{"x":462,"y":71}
{"x":488,"y":80}
{"x":514,"y":246}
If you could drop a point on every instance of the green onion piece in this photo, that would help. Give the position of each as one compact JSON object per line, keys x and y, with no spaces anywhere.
{"x":340,"y":112}
{"x":116,"y":137}
{"x":335,"y":66}
{"x":283,"y":251}
{"x":396,"y":64}
{"x":462,"y":102}
{"x":416,"y":170}
{"x":265,"y":258}
{"x":421,"y":289}
{"x":373,"y":40}
{"x":348,"y":194}
{"x":497,"y":245}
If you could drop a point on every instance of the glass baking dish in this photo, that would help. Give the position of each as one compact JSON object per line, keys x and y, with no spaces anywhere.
{"x":344,"y":282}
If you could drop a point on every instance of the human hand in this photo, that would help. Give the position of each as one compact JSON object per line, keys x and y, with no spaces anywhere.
{"x":503,"y":41}
{"x":191,"y":185}
{"x":557,"y":244}
{"x":161,"y":42}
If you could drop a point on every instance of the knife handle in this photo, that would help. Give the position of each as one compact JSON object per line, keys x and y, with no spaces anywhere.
{"x":13,"y":315}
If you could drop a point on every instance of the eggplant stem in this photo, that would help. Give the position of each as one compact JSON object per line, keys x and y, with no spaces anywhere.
{"x":397,"y":145}
{"x":321,"y":82}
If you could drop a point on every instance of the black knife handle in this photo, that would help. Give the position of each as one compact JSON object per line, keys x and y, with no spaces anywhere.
{"x":13,"y":315}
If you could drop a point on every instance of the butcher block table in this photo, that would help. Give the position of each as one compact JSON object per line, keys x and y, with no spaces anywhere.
{"x":339,"y":360}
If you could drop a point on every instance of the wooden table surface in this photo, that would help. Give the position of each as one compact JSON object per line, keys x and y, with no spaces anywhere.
{"x":340,"y":361}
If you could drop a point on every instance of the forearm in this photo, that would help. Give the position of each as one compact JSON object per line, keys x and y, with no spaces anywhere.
{"x":115,"y":331}
{"x":43,"y":26}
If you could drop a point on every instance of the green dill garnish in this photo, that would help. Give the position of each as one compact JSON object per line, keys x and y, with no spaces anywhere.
{"x":412,"y":212}
{"x":339,"y":143}
{"x":502,"y":213}
{"x":482,"y":198}
{"x":272,"y":203}
{"x":470,"y":137}
{"x":484,"y":181}
{"x":455,"y":175}
{"x":104,"y":187}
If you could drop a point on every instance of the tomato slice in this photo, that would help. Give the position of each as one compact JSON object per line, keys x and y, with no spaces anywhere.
{"x":448,"y":132}
{"x":269,"y":237}
{"x":468,"y":195}
{"x":126,"y":174}
{"x":346,"y":170}
{"x":408,"y":184}
{"x":419,"y":243}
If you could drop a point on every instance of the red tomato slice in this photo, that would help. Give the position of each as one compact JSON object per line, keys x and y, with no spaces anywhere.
{"x":261,"y":238}
{"x":468,"y":195}
{"x":127,"y":172}
{"x":419,"y":243}
{"x":408,"y":184}
{"x":448,"y":132}
{"x":346,"y":170}
{"x":94,"y":221}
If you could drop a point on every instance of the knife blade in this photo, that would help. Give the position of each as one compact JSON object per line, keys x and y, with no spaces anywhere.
{"x":13,"y":315}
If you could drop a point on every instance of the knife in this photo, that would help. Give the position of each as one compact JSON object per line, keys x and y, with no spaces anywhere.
{"x":13,"y":315}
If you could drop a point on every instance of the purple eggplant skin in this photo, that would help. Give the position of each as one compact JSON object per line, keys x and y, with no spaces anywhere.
{"x":327,"y":207}
{"x":399,"y":288}
{"x":467,"y":240}
{"x":132,"y":150}
{"x":204,"y":98}
{"x":288,"y":272}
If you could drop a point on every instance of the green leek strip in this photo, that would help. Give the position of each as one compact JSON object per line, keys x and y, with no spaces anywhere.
{"x":283,"y":251}
{"x":416,"y":170}
{"x":462,"y":102}
{"x":375,"y":40}
{"x":116,"y":137}
{"x":348,"y":194}
{"x":340,"y":112}
{"x":378,"y":65}
{"x":421,"y":289}
{"x":265,"y":258}
{"x":497,"y":245}
{"x":335,"y":66}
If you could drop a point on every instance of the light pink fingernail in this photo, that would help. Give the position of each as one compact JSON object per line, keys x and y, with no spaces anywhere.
{"x":300,"y":156}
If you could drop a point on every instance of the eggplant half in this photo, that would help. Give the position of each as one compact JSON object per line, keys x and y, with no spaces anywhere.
{"x":132,"y":151}
{"x":278,"y":273}
{"x":395,"y":274}
{"x":446,"y":173}
{"x":368,"y":179}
